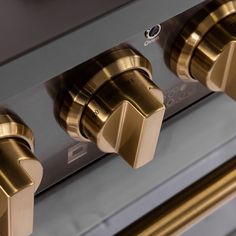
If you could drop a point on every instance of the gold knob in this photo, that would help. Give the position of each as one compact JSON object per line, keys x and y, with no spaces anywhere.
{"x":205,"y":49}
{"x":119,"y":107}
{"x":213,"y":62}
{"x":20,"y":176}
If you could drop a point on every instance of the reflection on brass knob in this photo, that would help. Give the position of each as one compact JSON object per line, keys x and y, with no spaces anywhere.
{"x":205,"y":49}
{"x":119,"y":107}
{"x":20,"y":176}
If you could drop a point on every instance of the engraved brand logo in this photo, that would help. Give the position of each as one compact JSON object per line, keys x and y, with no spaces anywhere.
{"x":77,"y":151}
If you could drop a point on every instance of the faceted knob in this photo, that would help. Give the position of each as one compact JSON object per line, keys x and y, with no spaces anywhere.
{"x":205,"y":48}
{"x":125,"y":117}
{"x":213,"y":61}
{"x":20,"y":176}
{"x":119,"y":107}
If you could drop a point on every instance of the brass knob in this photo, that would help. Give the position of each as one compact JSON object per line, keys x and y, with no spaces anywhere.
{"x":20,"y":176}
{"x":205,"y":49}
{"x":213,"y":61}
{"x":119,"y":107}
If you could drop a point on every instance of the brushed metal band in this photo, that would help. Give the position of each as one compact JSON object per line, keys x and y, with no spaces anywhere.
{"x":11,"y":126}
{"x":193,"y":33}
{"x":110,"y":64}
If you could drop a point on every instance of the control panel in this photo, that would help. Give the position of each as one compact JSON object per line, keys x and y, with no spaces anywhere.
{"x":114,"y":102}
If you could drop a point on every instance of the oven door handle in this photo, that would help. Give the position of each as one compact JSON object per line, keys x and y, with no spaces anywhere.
{"x":189,"y":206}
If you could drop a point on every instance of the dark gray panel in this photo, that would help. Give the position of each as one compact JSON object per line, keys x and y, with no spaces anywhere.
{"x":232,"y":233}
{"x":65,"y":52}
{"x":27,"y":24}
